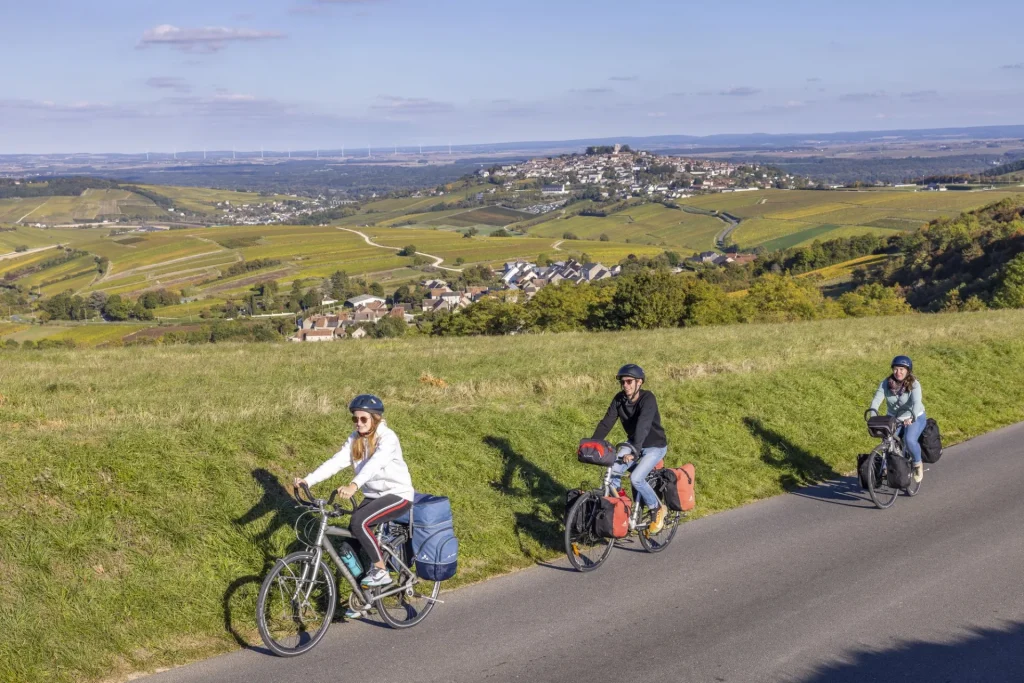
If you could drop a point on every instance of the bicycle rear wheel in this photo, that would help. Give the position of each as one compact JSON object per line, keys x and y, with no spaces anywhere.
{"x":655,"y":543}
{"x":295,"y":604}
{"x":882,"y":495}
{"x":585,"y":549}
{"x":411,"y":605}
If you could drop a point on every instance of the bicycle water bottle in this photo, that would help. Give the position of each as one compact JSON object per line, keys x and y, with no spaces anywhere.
{"x":351,"y":560}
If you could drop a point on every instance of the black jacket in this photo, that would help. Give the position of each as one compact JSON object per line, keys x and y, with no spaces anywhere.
{"x":641,"y":420}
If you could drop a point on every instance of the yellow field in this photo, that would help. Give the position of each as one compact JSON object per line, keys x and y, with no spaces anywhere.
{"x":846,"y":268}
{"x":90,"y":205}
{"x":651,"y":224}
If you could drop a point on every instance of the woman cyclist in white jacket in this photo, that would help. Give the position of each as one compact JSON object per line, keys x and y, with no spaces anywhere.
{"x":380,"y":472}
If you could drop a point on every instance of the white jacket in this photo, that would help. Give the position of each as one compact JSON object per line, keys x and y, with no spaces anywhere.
{"x":382,"y":473}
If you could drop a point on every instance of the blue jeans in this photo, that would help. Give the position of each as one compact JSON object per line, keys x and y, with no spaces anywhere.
{"x":911,"y":434}
{"x":649,"y":457}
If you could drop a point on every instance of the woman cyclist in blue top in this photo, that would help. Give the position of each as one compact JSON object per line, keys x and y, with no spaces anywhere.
{"x":901,"y":392}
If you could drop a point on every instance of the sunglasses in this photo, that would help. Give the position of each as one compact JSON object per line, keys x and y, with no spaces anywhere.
{"x":627,"y":380}
{"x":362,"y":420}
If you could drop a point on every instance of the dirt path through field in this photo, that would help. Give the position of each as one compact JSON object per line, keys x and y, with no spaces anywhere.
{"x":437,"y":259}
{"x":18,"y":254}
{"x":32,"y":211}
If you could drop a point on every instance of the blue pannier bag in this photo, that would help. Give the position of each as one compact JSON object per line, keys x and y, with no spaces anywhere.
{"x":434,"y":546}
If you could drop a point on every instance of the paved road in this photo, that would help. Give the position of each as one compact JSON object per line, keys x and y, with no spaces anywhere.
{"x":812,"y":586}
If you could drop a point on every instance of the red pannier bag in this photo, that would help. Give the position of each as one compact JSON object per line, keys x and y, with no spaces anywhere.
{"x":612,"y":517}
{"x":677,"y":490}
{"x":596,"y":452}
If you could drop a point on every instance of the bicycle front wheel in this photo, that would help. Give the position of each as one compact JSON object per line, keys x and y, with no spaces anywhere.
{"x":296,"y":604}
{"x":410,"y":606}
{"x":882,"y":495}
{"x":585,"y":549}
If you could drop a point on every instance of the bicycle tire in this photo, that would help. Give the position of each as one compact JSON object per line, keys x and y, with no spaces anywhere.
{"x":574,"y":540}
{"x":882,"y":495}
{"x":324,"y":591}
{"x":392,"y":607}
{"x":655,"y":543}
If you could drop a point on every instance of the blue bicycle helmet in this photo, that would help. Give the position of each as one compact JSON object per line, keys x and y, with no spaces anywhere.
{"x":368,"y":403}
{"x":903,"y":362}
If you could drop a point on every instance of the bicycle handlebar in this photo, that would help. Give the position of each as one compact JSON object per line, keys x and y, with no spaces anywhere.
{"x":308,"y":500}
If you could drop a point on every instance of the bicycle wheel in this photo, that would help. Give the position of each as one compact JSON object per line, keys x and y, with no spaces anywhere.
{"x":295,"y":604}
{"x":655,"y":543}
{"x":586,"y":550}
{"x":882,"y":495}
{"x":411,"y":605}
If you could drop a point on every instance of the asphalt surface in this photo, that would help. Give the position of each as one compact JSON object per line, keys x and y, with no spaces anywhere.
{"x":812,"y":586}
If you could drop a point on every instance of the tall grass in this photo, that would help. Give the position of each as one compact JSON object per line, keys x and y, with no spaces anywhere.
{"x":144,"y":489}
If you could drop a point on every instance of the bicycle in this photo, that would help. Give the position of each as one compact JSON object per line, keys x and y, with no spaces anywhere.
{"x":587,"y":551}
{"x":889,"y":429}
{"x":298,"y":597}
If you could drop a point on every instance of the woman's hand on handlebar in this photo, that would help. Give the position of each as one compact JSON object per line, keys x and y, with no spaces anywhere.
{"x":347,"y":491}
{"x":298,"y":483}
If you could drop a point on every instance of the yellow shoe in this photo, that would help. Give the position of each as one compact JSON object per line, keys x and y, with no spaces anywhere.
{"x":659,"y":520}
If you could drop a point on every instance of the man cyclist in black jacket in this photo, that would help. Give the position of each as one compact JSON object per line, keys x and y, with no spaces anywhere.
{"x":638,"y":411}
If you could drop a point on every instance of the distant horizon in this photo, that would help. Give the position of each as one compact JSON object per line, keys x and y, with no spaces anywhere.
{"x":663,"y":139}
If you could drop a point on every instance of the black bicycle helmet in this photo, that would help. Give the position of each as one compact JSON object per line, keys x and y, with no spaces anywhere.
{"x":630,"y":370}
{"x":368,"y":403}
{"x":903,"y":362}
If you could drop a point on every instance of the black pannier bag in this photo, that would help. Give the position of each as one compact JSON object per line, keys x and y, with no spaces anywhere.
{"x":864,"y":461}
{"x":881,"y":426}
{"x":596,"y":452}
{"x":931,"y":442}
{"x":588,"y":513}
{"x":898,"y":471}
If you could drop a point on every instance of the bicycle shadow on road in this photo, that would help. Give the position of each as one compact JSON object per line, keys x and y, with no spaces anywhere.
{"x":547,"y":496}
{"x":990,"y":654}
{"x":240,"y":595}
{"x":797,"y":466}
{"x":801,"y":472}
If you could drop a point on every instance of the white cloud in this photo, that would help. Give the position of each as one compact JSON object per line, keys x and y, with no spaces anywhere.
{"x":207,"y":39}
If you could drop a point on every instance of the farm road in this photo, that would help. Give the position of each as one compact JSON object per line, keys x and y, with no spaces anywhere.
{"x":437,"y":259}
{"x":19,"y":254}
{"x":814,"y":586}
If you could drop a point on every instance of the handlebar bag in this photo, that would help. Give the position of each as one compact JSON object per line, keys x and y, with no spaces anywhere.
{"x":881,"y":426}
{"x":596,"y":452}
{"x":611,"y":520}
{"x":677,"y":488}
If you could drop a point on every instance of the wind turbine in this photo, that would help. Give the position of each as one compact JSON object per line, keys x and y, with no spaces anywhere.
{"x":261,"y":151}
{"x":147,"y":155}
{"x":369,"y":152}
{"x":449,"y":149}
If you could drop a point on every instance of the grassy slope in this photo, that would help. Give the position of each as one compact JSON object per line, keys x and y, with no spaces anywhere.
{"x":138,"y":521}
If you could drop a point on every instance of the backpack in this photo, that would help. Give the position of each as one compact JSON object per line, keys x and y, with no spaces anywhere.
{"x":897,"y":471}
{"x":931,"y":442}
{"x":434,"y":545}
{"x":596,"y":452}
{"x":864,"y":469}
{"x":676,"y":488}
{"x":611,"y":520}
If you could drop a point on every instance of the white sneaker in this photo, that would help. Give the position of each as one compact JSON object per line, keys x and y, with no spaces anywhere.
{"x":918,"y":473}
{"x":376,"y":577}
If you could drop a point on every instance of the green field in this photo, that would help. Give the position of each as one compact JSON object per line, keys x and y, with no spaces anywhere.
{"x":144,"y":489}
{"x":204,"y":200}
{"x":90,"y":205}
{"x":779,"y":219}
{"x":651,"y":224}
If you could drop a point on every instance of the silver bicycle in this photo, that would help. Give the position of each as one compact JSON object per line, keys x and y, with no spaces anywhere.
{"x":587,"y":550}
{"x":298,"y":597}
{"x":890,"y":431}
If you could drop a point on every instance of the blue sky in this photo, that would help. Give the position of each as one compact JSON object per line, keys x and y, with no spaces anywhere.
{"x":119,"y":75}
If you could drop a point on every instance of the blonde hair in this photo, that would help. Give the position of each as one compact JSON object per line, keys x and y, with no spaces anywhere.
{"x":364,"y":446}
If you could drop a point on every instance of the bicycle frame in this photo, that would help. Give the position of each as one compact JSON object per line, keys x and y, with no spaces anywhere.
{"x":634,"y":514}
{"x":323,"y":544}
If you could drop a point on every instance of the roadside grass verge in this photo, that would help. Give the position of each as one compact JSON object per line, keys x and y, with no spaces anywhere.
{"x":145,"y":488}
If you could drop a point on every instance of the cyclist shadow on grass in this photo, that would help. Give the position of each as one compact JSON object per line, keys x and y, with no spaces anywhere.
{"x":801,"y":472}
{"x":546,"y":495}
{"x":240,"y":595}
